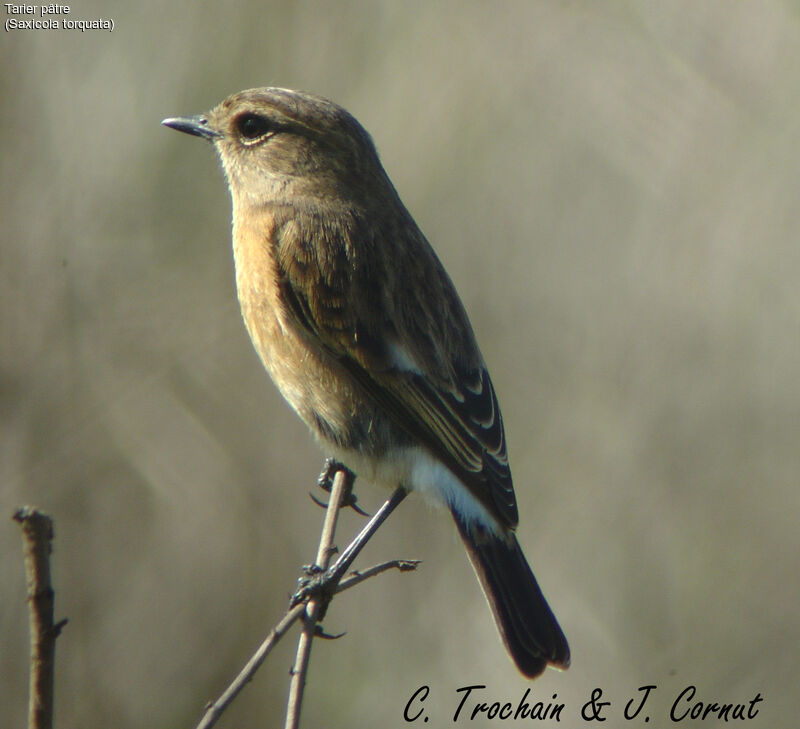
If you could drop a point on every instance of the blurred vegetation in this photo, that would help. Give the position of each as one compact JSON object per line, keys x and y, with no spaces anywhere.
{"x":613,"y":187}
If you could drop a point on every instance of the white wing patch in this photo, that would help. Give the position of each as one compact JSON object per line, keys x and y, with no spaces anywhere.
{"x":402,"y":360}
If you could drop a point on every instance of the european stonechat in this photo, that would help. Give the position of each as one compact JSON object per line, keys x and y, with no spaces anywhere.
{"x":362,"y":331}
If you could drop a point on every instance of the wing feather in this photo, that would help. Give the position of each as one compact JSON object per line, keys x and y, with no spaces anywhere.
{"x":450,"y":406}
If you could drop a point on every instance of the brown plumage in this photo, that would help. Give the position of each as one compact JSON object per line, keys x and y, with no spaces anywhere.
{"x":361,"y":329}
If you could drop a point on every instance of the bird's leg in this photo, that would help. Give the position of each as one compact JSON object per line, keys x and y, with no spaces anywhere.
{"x":325,"y":482}
{"x":324,"y":583}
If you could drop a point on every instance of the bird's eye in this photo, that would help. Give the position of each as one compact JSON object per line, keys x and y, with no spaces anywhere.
{"x":252,"y":126}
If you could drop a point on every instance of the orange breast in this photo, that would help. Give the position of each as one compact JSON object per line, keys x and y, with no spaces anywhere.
{"x":313,"y":383}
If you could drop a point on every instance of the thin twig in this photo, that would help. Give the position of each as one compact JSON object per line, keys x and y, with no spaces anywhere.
{"x":326,"y":549}
{"x":37,"y":534}
{"x":215,"y":710}
{"x":346,"y":558}
{"x":358,"y":576}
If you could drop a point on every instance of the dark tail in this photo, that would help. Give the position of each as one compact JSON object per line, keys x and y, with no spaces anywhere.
{"x":526,"y":623}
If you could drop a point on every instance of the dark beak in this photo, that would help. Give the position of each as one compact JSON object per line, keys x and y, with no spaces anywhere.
{"x":196,"y":125}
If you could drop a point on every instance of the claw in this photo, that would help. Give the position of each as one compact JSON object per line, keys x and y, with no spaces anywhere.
{"x":319,"y":632}
{"x":352,"y":503}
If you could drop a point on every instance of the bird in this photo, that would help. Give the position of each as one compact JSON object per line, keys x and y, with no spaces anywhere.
{"x":362,"y":331}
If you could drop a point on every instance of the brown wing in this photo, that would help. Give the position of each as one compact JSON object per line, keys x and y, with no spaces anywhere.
{"x":358,"y":307}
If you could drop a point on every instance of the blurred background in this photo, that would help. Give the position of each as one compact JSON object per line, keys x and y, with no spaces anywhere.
{"x":613,"y":188}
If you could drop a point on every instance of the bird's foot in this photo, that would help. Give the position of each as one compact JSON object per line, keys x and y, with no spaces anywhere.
{"x":325,"y":482}
{"x":320,"y":585}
